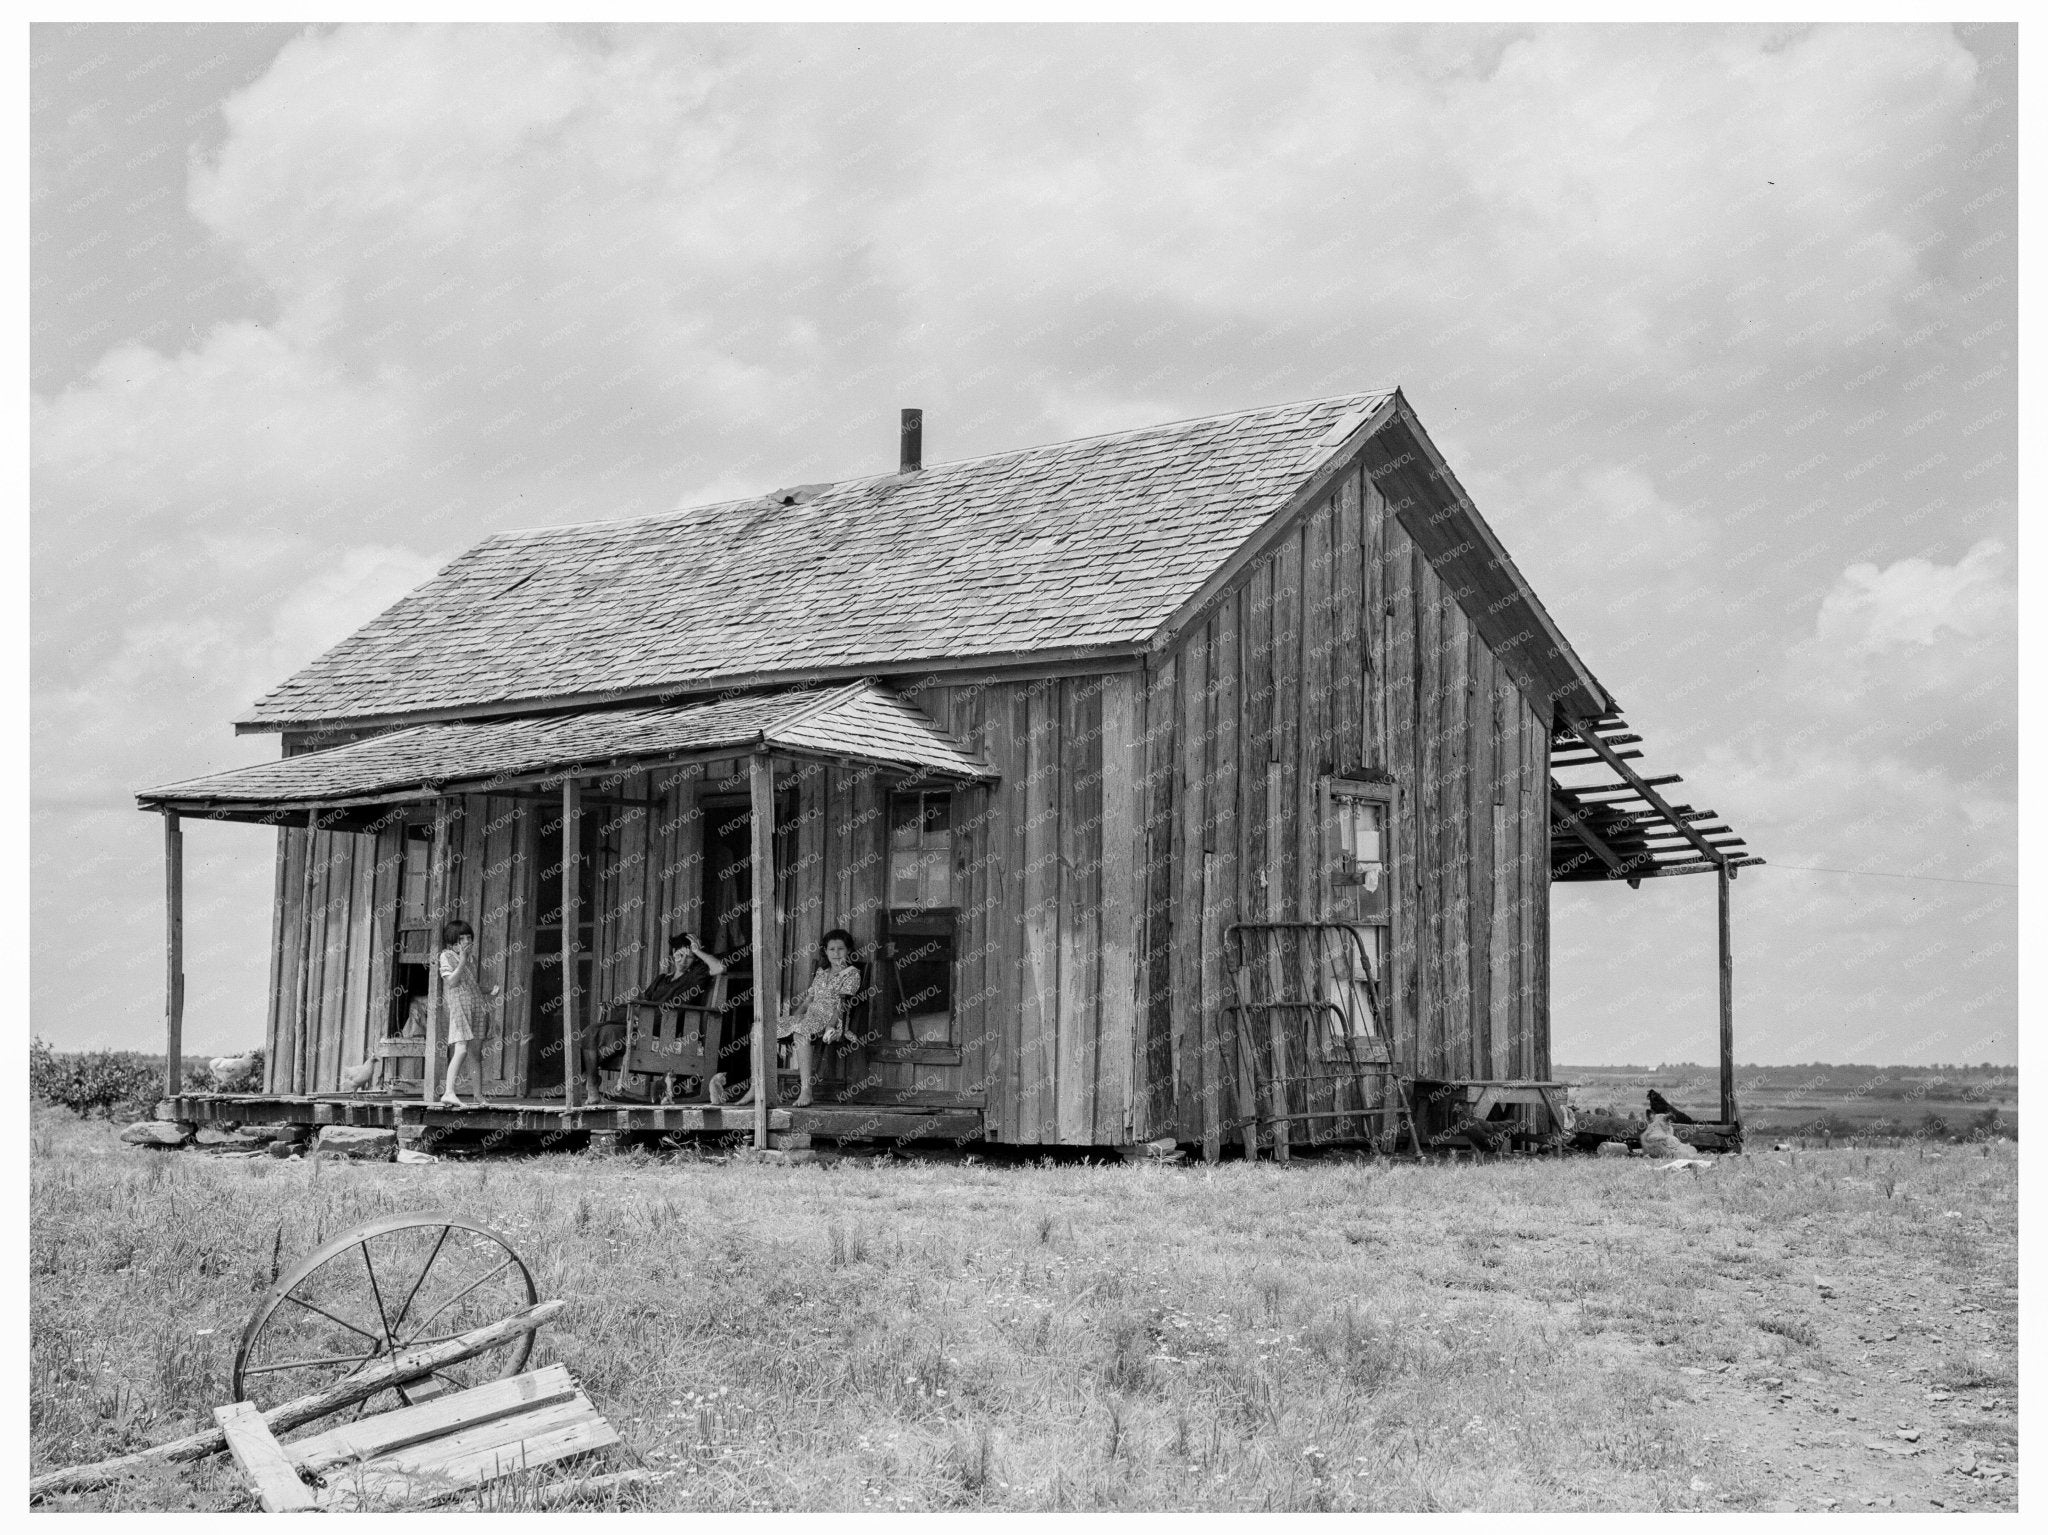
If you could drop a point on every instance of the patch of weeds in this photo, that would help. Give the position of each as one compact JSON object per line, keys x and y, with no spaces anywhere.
{"x":1637,"y":1446}
{"x":1797,"y":1329}
{"x":1128,"y":1344}
{"x":1961,"y":1371}
{"x":848,"y":1248}
{"x":968,"y":1464}
{"x":1369,"y":1352}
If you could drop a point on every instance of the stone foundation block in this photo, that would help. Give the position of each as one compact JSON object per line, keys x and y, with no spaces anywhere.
{"x":168,"y":1134}
{"x":358,"y":1143}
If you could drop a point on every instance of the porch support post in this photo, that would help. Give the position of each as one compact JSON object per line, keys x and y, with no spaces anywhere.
{"x":174,"y":954}
{"x":437,"y":915}
{"x":572,"y":918}
{"x":1722,"y":876}
{"x":767,"y":951}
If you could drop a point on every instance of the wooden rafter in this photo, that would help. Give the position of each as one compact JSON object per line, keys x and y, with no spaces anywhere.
{"x":1627,"y":774}
{"x":1574,"y":820}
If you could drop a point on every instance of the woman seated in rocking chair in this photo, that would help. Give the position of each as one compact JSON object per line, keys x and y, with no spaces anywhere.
{"x":821,"y":1015}
{"x":683,"y":981}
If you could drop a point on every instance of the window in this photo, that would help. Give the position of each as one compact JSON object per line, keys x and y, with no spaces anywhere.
{"x":920,"y":850}
{"x":922,"y":928}
{"x":416,"y":938}
{"x":1358,"y":887}
{"x":1359,"y":869}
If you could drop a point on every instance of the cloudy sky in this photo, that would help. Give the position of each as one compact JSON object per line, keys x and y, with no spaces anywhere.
{"x":1717,"y":326}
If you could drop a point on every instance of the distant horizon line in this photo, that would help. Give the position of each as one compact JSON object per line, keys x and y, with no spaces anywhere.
{"x":1795,"y":1066}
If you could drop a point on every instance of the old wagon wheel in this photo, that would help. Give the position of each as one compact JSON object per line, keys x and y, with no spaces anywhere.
{"x":401,"y":1282}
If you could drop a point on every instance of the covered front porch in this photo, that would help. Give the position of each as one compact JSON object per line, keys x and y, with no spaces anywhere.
{"x":576,"y":845}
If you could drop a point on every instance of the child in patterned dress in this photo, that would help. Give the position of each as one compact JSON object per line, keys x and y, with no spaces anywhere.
{"x":463,"y":1000}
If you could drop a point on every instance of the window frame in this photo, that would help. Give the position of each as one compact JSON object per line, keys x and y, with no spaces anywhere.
{"x":914,"y":923}
{"x":1387,"y":794}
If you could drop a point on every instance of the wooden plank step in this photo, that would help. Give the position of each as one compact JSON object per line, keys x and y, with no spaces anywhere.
{"x":263,"y":1460}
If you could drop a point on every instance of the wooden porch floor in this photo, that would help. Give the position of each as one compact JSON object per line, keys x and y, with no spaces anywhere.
{"x":894,"y":1121}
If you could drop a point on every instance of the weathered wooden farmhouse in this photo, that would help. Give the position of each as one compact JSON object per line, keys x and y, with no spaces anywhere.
{"x":1203,"y":782}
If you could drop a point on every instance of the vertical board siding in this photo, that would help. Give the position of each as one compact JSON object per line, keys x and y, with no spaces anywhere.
{"x":1535,"y":1012}
{"x":966,"y":717}
{"x":1188,"y":831}
{"x":1454,"y":761}
{"x":1347,"y":655}
{"x":384,"y":930}
{"x":1287,"y":743}
{"x":1221,"y":895}
{"x":1481,"y":679}
{"x":1314,"y":762}
{"x":1156,"y":1060}
{"x":1341,"y":651}
{"x":1009,"y":744}
{"x":1038,"y":1042}
{"x":1076,"y":1059}
{"x":1431,"y":1052}
{"x":280,"y":946}
{"x":335,"y":912}
{"x":1120,"y":1003}
{"x":1502,"y":806}
{"x":1398,"y":692}
{"x":1375,"y":621}
{"x":288,"y":930}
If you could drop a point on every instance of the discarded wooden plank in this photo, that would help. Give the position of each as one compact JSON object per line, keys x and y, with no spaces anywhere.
{"x":455,"y":1461}
{"x":1717,"y":1137}
{"x":263,"y":1460}
{"x":306,"y":1409}
{"x":405,"y":1427}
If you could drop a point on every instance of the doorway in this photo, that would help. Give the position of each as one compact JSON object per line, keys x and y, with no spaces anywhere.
{"x":544,"y":1034}
{"x":727,"y":904}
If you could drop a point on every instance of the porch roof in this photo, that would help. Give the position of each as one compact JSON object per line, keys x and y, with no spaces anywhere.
{"x":859,"y":721}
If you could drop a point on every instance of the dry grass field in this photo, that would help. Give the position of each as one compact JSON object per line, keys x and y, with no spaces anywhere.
{"x":1529,"y":1334}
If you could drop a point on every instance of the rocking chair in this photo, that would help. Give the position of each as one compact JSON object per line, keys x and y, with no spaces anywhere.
{"x":674,"y":1039}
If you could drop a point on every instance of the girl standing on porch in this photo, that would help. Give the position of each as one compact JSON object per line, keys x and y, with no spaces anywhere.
{"x":464,"y":1000}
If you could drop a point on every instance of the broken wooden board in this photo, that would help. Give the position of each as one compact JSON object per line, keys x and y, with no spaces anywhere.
{"x":424,"y":1453}
{"x":263,"y":1460}
{"x":1710,"y":1137}
{"x":413,"y":1365}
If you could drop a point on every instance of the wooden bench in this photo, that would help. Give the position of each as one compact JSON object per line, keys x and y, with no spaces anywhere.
{"x":425,"y":1453}
{"x":1472,"y":1101}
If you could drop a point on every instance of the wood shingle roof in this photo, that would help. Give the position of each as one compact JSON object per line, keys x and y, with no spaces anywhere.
{"x":858,"y":722}
{"x":1071,"y":547}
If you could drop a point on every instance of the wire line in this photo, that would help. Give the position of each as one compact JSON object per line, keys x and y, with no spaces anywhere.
{"x":1945,"y":879}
